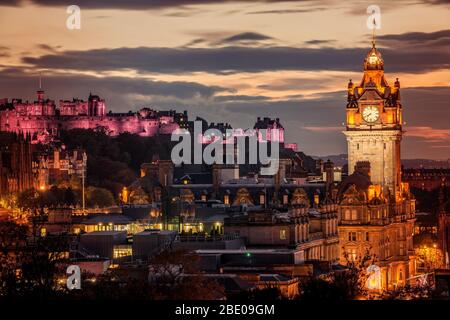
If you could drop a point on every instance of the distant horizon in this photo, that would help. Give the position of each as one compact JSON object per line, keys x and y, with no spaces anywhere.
{"x":157,"y":108}
{"x":334,"y":155}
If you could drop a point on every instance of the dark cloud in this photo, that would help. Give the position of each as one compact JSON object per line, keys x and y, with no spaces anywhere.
{"x":288,"y":84}
{"x":116,"y":89}
{"x":135,"y":4}
{"x":319,"y":42}
{"x":225,"y":98}
{"x":286,"y":11}
{"x":46,"y":47}
{"x":436,"y":1}
{"x":10,"y":2}
{"x":417,"y":36}
{"x":162,"y":4}
{"x":195,"y":42}
{"x":240,"y":59}
{"x":245,"y":36}
{"x":241,"y":39}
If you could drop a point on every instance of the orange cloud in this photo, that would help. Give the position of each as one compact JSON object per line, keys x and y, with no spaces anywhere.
{"x":429,"y":133}
{"x":323,"y":129}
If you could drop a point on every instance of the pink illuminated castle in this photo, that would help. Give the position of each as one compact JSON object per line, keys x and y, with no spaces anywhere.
{"x":42,"y":119}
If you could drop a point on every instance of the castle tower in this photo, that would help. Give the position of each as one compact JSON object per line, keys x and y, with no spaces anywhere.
{"x":40,"y":93}
{"x":374,"y":124}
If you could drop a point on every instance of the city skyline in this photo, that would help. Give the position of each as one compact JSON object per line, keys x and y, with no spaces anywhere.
{"x":240,"y":153}
{"x":236,"y":61}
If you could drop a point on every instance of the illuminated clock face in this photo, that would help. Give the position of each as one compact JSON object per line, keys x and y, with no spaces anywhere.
{"x":371,"y":114}
{"x":373,"y":58}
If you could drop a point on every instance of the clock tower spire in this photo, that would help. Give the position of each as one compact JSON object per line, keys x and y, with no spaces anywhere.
{"x":374,"y":123}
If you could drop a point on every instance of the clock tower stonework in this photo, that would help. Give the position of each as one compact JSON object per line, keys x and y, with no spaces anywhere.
{"x":374,"y":125}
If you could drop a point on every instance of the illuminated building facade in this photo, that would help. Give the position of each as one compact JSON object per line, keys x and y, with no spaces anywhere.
{"x":59,"y":164}
{"x":16,"y":173}
{"x":376,"y":210}
{"x":43,"y":120}
{"x":426,"y":179}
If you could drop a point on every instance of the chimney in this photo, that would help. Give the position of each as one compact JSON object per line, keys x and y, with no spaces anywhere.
{"x":363,"y":167}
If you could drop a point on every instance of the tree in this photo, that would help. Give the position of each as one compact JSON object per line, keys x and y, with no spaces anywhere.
{"x":99,"y":197}
{"x":408,"y":292}
{"x":174,"y":275}
{"x":319,"y":289}
{"x":346,"y":284}
{"x":29,"y":265}
{"x":12,"y":241}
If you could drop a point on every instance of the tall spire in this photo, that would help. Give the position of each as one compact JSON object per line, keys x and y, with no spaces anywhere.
{"x":40,"y":80}
{"x":373,"y":32}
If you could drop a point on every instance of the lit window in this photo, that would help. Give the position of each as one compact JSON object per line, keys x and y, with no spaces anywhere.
{"x":352,"y":236}
{"x":285,"y":199}
{"x":347,"y":215}
{"x":262,"y":199}
{"x":282,"y":234}
{"x":43,"y":232}
{"x":122,"y":251}
{"x":352,"y":254}
{"x":226,"y":199}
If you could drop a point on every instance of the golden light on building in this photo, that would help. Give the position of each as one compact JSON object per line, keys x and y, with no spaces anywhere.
{"x":373,"y":58}
{"x":154,"y":212}
{"x":374,"y":191}
{"x":121,"y":251}
{"x":430,"y":257}
{"x":405,"y":187}
{"x":351,"y":118}
{"x":125,"y":195}
{"x":316,"y":199}
{"x":373,"y":281}
{"x":390,"y":117}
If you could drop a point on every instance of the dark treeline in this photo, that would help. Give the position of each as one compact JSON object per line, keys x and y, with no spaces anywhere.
{"x":114,"y":162}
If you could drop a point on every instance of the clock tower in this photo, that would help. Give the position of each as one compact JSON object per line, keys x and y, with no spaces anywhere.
{"x":374,"y":124}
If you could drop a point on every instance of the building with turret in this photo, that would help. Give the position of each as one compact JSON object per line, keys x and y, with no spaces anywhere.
{"x":43,"y":120}
{"x":376,"y":209}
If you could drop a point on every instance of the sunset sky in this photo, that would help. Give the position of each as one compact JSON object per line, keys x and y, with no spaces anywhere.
{"x":231,"y":61}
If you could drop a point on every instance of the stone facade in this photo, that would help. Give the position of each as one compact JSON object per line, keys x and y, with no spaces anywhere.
{"x":311,"y":231}
{"x":376,"y":209}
